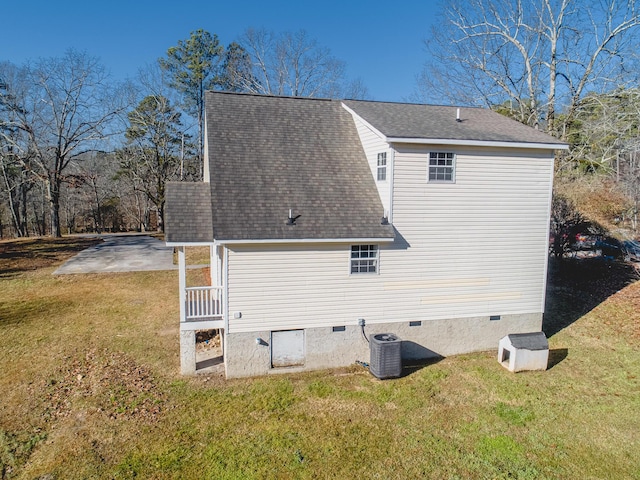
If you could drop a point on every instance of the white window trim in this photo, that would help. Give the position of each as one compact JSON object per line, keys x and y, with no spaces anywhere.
{"x":454,"y":160}
{"x":376,"y":259}
{"x":382,"y":168}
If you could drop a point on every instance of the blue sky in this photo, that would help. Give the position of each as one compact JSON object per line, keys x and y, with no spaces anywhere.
{"x":381,"y":42}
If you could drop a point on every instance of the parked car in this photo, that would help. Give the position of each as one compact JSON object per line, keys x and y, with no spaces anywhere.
{"x":611,"y":247}
{"x":585,"y":241}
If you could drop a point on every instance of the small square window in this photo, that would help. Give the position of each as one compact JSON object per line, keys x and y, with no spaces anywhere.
{"x":382,"y":166}
{"x":441,"y":167}
{"x":340,"y":328}
{"x":364,"y":259}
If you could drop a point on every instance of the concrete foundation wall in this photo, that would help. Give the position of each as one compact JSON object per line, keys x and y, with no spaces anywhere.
{"x":246,"y":356}
{"x":187,"y":352}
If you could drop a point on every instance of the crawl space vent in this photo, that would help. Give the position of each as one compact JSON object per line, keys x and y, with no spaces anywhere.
{"x":385,"y":355}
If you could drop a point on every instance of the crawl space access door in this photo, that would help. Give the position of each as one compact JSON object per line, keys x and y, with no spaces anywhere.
{"x":287,"y":348}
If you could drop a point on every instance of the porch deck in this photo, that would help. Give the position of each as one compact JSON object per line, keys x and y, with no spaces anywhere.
{"x":203,"y":308}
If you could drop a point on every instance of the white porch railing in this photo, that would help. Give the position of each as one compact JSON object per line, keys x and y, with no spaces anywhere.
{"x":203,"y":303}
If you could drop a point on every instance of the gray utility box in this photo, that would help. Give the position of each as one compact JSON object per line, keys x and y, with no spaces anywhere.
{"x":385,"y":355}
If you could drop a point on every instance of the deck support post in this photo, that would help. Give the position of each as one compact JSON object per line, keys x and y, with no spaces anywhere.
{"x":182,"y":283}
{"x":187,"y":337}
{"x":188,"y":352}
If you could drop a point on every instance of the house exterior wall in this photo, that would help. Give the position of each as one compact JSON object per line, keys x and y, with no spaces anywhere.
{"x":465,"y":252}
{"x":373,"y":144}
{"x":297,"y":285}
{"x":477,"y":246}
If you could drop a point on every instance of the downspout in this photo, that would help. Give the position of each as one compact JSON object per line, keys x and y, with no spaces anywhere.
{"x":225,"y":297}
{"x":392,"y":164}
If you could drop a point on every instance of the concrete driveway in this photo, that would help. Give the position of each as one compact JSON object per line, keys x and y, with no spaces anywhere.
{"x":121,"y":253}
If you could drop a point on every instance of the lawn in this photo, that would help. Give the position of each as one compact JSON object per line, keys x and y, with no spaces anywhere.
{"x":90,"y":389}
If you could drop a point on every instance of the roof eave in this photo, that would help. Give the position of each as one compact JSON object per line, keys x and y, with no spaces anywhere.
{"x":303,"y":240}
{"x":479,"y":143}
{"x":188,"y":244}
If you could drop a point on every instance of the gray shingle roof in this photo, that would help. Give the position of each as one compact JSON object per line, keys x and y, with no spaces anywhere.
{"x":271,"y":154}
{"x":187,"y":212}
{"x":414,"y":121}
{"x":529,"y":341}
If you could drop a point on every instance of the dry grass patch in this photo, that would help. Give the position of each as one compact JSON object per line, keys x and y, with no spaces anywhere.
{"x":17,"y":256}
{"x":194,"y":256}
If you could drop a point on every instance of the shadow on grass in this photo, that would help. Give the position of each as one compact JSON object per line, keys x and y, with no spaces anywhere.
{"x":416,"y":357}
{"x":556,"y":356}
{"x":410,"y":366}
{"x":17,"y":311}
{"x":19,"y":256}
{"x":577,"y":286}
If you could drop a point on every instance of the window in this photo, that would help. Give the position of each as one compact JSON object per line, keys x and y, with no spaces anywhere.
{"x":364,"y":259}
{"x":382,"y":166}
{"x":441,"y":167}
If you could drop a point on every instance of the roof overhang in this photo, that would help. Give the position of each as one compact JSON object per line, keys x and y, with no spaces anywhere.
{"x":303,"y":241}
{"x":189,"y":244}
{"x":450,"y":141}
{"x":478,"y":143}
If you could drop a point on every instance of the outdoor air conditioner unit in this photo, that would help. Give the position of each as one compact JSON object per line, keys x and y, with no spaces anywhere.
{"x":385,"y":355}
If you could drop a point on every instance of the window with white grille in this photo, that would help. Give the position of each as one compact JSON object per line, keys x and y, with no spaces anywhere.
{"x":364,"y":259}
{"x":382,"y":166}
{"x":442,"y":167}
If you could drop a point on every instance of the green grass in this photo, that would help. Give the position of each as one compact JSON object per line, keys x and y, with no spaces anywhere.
{"x":91,"y":390}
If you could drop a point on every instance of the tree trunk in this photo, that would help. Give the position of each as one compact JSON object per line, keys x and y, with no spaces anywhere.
{"x":24,"y":227}
{"x":53,"y":195}
{"x":161,"y":217}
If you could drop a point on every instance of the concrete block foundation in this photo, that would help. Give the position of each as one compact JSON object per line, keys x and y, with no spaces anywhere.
{"x":188,"y":352}
{"x":249,"y":353}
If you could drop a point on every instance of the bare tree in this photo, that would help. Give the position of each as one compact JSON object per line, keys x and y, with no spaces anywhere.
{"x":291,"y":64}
{"x":565,"y":218}
{"x":537,"y":58}
{"x":66,"y":108}
{"x":604,"y":125}
{"x":14,"y":180}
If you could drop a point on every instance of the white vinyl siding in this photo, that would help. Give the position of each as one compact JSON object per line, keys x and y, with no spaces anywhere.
{"x":475,"y":248}
{"x":282,"y":287}
{"x":489,"y":228}
{"x":374,"y":145}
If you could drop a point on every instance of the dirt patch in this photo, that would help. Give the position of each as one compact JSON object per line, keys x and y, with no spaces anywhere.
{"x":18,"y":256}
{"x":109,"y":383}
{"x":208,"y":341}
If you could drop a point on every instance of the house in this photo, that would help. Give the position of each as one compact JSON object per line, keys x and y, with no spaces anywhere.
{"x":329,"y":221}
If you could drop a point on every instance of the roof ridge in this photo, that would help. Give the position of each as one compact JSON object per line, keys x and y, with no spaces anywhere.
{"x":416,"y":104}
{"x":263,"y":95}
